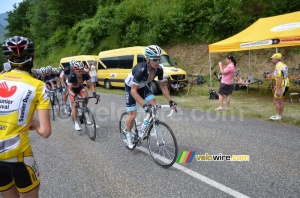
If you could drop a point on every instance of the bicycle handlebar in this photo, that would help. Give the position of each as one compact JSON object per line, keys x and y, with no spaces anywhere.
{"x":81,"y":99}
{"x":166,"y":106}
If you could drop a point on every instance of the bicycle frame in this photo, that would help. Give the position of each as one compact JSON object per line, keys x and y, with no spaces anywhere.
{"x":87,"y":117}
{"x":162,"y":143}
{"x":151,"y":117}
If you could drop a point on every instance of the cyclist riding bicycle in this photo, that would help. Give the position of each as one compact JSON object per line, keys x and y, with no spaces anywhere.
{"x":75,"y":88}
{"x":64,"y":77}
{"x":20,"y":96}
{"x":44,"y":77}
{"x":52,"y":77}
{"x":137,"y":87}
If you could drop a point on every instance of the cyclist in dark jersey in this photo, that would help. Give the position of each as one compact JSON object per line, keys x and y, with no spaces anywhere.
{"x":44,"y":77}
{"x":63,"y":78}
{"x":75,"y":88}
{"x":138,"y":90}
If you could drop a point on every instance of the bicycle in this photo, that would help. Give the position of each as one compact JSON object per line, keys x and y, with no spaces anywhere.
{"x":86,"y":117}
{"x":180,"y":87}
{"x":296,"y":72}
{"x":158,"y":134}
{"x":54,"y":101}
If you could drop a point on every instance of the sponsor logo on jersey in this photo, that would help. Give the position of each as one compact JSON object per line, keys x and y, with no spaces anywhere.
{"x":24,"y":105}
{"x":6,"y":91}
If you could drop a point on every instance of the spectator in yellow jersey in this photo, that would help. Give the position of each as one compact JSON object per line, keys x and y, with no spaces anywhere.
{"x":281,"y":85}
{"x":20,"y":96}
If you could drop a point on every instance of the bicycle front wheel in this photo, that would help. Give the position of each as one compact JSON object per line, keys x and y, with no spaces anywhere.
{"x":90,"y":125}
{"x":122,"y":127}
{"x":162,"y":144}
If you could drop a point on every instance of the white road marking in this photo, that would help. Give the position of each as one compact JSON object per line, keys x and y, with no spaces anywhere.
{"x":200,"y":177}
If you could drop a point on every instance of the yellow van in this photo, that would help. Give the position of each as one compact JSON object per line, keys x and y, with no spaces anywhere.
{"x":85,"y":59}
{"x":115,"y":65}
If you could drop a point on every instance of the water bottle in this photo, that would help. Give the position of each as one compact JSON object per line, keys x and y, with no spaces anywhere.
{"x":79,"y":111}
{"x":144,"y":126}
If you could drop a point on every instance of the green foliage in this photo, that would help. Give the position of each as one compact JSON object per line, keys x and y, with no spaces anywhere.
{"x":18,"y":23}
{"x":94,"y":25}
{"x":59,"y":38}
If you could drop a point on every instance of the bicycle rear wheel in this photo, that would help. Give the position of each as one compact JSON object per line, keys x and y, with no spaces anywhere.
{"x":183,"y":89}
{"x":122,"y":127}
{"x":56,"y":104}
{"x":162,"y":144}
{"x":90,"y":125}
{"x":52,"y":114}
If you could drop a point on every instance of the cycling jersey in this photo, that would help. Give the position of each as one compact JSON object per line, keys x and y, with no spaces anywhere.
{"x":20,"y":95}
{"x":281,"y":70}
{"x":77,"y":82}
{"x":67,"y":71}
{"x":51,"y":76}
{"x":139,"y":75}
{"x":45,"y":79}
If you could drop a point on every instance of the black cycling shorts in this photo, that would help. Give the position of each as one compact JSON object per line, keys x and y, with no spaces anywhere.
{"x":21,"y":171}
{"x":144,"y":92}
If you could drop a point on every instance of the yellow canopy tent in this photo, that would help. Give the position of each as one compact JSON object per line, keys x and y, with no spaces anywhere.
{"x":271,"y":32}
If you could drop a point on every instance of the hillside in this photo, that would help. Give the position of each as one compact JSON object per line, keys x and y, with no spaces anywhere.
{"x":3,"y":24}
{"x":195,"y":57}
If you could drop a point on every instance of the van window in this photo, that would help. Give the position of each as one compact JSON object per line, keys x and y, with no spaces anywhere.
{"x":65,"y":65}
{"x":166,"y":61}
{"x":121,"y":62}
{"x":92,"y":62}
{"x":141,"y":58}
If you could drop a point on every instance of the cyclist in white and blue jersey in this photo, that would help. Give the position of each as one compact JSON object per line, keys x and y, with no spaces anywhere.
{"x":137,"y":87}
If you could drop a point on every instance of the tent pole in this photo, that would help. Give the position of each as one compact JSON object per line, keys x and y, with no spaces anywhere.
{"x":210,"y":71}
{"x":249,"y":62}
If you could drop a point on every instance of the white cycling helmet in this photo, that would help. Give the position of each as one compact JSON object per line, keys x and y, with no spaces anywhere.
{"x":43,"y":70}
{"x":78,"y":66}
{"x":72,"y":62}
{"x":152,"y":51}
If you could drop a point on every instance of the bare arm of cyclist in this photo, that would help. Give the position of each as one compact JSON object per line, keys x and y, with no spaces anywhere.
{"x":91,"y":86}
{"x":164,"y":90}
{"x":70,"y":90}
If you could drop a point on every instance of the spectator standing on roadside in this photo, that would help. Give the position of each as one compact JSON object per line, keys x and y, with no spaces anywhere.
{"x":226,"y":86}
{"x":93,"y":74}
{"x":6,"y":67}
{"x":86,"y":68}
{"x":281,"y":84}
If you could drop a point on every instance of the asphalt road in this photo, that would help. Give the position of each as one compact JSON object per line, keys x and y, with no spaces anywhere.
{"x":71,"y":165}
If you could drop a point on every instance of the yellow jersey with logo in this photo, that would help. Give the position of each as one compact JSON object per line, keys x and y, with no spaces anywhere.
{"x":281,"y":70}
{"x":20,"y":96}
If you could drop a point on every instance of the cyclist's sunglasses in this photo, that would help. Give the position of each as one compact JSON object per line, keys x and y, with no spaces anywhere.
{"x":155,"y":59}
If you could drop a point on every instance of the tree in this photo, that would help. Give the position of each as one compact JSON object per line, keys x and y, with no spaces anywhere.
{"x":18,"y":23}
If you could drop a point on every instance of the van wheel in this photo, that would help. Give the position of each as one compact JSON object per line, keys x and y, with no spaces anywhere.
{"x":154,"y":88}
{"x":107,"y":84}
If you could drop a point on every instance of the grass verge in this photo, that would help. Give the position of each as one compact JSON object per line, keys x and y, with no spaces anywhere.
{"x":257,"y":103}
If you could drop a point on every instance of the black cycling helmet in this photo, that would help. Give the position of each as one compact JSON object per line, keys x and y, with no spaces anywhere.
{"x":18,"y":50}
